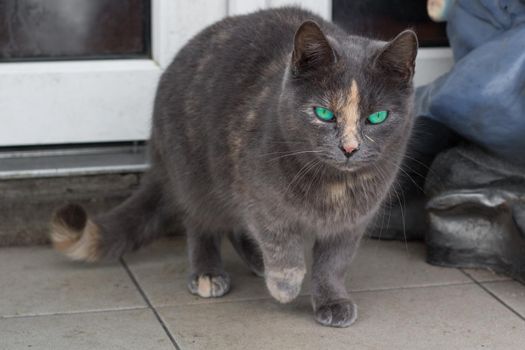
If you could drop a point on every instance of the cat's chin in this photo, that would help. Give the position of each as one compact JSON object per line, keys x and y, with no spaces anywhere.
{"x":351,"y":166}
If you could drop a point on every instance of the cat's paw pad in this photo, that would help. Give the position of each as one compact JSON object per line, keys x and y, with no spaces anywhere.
{"x":339,"y":314}
{"x":285,"y":284}
{"x":209,"y":285}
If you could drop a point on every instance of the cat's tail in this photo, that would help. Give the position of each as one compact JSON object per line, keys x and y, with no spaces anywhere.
{"x":135,"y":222}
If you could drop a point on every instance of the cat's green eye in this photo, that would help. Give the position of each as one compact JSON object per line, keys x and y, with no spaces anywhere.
{"x":377,"y":117}
{"x":324,"y":114}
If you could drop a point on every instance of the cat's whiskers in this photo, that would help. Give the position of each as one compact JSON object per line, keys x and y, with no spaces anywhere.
{"x":385,"y":205}
{"x":289,"y":141}
{"x":319,"y":166}
{"x":403,"y":164}
{"x":274,"y":153}
{"x":401,"y":207}
{"x":306,"y":172}
{"x":430,"y":170}
{"x":400,"y":168}
{"x":293,"y":154}
{"x":371,"y":139}
{"x":404,"y":155}
{"x":303,"y":171}
{"x":395,"y":184}
{"x":280,"y":152}
{"x":380,"y":209}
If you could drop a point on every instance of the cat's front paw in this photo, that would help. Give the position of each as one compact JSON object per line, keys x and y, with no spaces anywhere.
{"x":336,"y":314}
{"x":209,"y":285}
{"x":285,"y":284}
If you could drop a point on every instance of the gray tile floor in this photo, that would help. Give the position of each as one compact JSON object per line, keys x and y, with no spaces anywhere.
{"x":47,"y":302}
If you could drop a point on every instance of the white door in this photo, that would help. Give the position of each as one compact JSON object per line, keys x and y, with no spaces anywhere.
{"x":96,"y":100}
{"x":89,"y":101}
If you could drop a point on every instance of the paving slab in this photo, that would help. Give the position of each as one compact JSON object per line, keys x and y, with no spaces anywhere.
{"x":486,"y":275}
{"x":129,"y":330}
{"x":161,"y":270}
{"x":443,"y":317}
{"x":511,"y":293}
{"x":393,"y":264}
{"x":37,"y":280}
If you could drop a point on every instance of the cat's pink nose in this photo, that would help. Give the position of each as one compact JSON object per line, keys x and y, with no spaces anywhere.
{"x":349,"y":148}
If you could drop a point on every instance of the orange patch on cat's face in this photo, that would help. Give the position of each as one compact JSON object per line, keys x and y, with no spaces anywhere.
{"x":349,"y":116}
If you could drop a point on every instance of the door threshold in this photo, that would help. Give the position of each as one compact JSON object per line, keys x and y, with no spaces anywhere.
{"x":72,"y":161}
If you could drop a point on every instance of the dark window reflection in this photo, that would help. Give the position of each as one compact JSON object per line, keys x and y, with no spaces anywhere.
{"x":74,"y":29}
{"x":383,"y":19}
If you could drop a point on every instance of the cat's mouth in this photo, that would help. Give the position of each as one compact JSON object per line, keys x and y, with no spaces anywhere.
{"x":350,"y":165}
{"x":355,"y":166}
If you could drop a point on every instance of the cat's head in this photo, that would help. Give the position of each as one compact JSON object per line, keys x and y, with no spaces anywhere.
{"x":347,"y":100}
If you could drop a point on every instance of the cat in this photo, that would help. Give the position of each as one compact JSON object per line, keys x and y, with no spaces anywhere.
{"x":267,"y":128}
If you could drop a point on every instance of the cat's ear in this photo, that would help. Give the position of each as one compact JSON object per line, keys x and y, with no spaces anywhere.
{"x":399,"y":55}
{"x":311,"y":48}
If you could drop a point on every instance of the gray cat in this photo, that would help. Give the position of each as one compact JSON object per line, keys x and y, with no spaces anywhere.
{"x":267,"y":128}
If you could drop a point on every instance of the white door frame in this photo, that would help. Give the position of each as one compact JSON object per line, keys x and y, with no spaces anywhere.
{"x":65,"y":102}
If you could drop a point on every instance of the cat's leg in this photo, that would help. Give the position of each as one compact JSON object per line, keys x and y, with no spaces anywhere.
{"x":331,"y":259}
{"x":248,"y":250}
{"x":283,"y":256}
{"x":207,"y":278}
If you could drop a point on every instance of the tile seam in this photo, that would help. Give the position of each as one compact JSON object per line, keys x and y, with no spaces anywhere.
{"x":149,"y":304}
{"x":493,"y":295}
